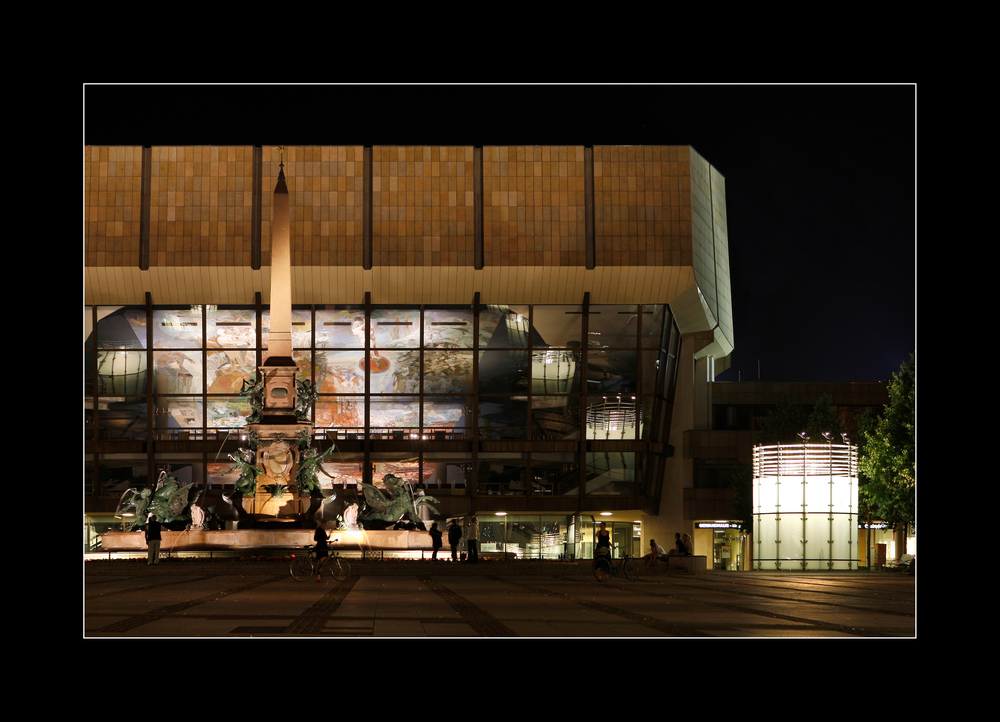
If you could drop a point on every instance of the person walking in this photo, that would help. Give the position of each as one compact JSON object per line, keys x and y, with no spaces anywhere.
{"x":152,"y":540}
{"x":454,"y":537}
{"x":435,"y":541}
{"x":472,"y":539}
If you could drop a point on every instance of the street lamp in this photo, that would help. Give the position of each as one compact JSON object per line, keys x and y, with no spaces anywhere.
{"x":504,"y":515}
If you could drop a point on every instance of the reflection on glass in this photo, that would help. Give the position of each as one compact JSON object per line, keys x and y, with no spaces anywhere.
{"x":502,"y":417}
{"x":653,"y":317}
{"x":502,"y":476}
{"x":613,"y":418}
{"x":555,"y":474}
{"x":124,"y":418}
{"x":503,"y":372}
{"x":555,"y":371}
{"x":555,"y":417}
{"x":610,"y":473}
{"x":445,"y":474}
{"x":557,"y":326}
{"x":612,"y":326}
{"x":301,"y":328}
{"x":611,"y":372}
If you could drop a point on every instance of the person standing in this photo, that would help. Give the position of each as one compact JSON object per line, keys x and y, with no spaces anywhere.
{"x":454,"y":537}
{"x":322,"y":550}
{"x":152,"y":540}
{"x":604,"y":538}
{"x":435,"y":540}
{"x":472,"y":538}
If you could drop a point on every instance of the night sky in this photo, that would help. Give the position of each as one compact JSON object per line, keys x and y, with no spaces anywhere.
{"x":820,"y":183}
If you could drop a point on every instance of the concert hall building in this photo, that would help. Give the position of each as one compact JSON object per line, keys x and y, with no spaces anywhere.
{"x":527,"y":331}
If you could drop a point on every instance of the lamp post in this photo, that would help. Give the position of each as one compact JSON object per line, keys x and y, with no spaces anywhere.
{"x":504,"y":515}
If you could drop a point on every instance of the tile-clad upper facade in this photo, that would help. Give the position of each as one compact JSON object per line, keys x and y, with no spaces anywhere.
{"x":411,"y":225}
{"x":423,"y":205}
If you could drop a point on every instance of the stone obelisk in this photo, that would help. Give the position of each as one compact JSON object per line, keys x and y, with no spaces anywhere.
{"x":279,"y":428}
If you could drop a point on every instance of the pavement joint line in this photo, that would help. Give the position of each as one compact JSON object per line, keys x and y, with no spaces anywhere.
{"x":481,"y":621}
{"x":651,"y":622}
{"x":139,"y":620}
{"x":778,"y":597}
{"x":830,"y":626}
{"x":313,"y":620}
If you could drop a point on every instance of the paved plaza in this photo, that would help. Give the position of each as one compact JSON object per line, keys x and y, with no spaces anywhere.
{"x":185,"y":598}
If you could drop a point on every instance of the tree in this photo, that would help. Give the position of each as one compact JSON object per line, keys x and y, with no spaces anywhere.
{"x":783,"y":423}
{"x":887,"y":454}
{"x":825,"y":416}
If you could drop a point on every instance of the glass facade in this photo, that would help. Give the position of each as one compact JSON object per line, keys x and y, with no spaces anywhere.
{"x":521,"y":395}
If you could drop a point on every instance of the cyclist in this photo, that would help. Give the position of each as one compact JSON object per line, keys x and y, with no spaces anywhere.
{"x":322,"y":550}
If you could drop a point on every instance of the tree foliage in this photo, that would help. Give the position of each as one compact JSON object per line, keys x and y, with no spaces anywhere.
{"x":782,"y":424}
{"x":887,"y":459}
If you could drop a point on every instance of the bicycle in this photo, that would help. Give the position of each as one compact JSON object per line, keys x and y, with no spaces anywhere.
{"x":302,"y":567}
{"x":605,"y":567}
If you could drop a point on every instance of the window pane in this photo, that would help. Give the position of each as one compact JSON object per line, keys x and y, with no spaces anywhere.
{"x":177,"y":327}
{"x":121,"y":372}
{"x":178,"y":372}
{"x":447,"y":413}
{"x":448,"y":328}
{"x":340,"y":372}
{"x":555,"y":417}
{"x":340,"y":327}
{"x":231,"y":328}
{"x":502,"y":417}
{"x":396,"y":328}
{"x":389,"y":413}
{"x":555,"y":371}
{"x":228,"y":413}
{"x":227,"y":370}
{"x":120,"y":327}
{"x":557,"y":326}
{"x":611,"y":473}
{"x":611,"y":372}
{"x":612,"y":326}
{"x":447,"y":371}
{"x":503,"y":372}
{"x":178,"y":415}
{"x":341,"y":412}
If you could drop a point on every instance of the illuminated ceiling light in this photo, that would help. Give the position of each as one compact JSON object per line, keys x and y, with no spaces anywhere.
{"x":501,"y":513}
